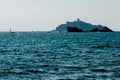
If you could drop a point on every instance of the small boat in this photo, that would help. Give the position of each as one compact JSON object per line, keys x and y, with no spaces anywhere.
{"x":11,"y":31}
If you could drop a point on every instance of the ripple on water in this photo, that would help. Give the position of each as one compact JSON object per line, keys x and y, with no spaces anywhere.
{"x":57,"y":56}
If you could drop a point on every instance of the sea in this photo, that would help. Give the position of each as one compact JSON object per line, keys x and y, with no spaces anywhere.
{"x":59,"y":56}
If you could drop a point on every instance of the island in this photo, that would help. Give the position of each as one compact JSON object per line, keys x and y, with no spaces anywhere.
{"x":81,"y":26}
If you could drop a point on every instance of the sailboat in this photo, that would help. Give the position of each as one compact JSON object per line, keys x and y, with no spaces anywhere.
{"x":11,"y":31}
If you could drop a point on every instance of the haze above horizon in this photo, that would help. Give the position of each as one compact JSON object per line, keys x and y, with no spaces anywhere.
{"x":45,"y":15}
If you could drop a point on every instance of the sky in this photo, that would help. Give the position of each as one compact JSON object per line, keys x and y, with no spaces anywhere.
{"x":46,"y":15}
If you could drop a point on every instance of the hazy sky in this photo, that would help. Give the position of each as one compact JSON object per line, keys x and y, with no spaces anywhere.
{"x":48,"y":14}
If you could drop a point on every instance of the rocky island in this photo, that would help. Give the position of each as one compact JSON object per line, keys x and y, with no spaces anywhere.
{"x":81,"y":26}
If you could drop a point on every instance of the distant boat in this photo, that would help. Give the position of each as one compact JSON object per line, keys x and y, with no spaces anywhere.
{"x":11,"y":31}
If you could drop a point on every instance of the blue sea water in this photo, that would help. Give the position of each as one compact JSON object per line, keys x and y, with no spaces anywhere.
{"x":59,"y":56}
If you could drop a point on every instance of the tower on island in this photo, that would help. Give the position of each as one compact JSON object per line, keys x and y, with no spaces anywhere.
{"x":78,"y":20}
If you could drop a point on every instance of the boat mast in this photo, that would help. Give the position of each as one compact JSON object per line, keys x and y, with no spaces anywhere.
{"x":10,"y":30}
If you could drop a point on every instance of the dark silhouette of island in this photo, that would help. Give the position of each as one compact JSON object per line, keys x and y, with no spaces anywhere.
{"x":81,"y":26}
